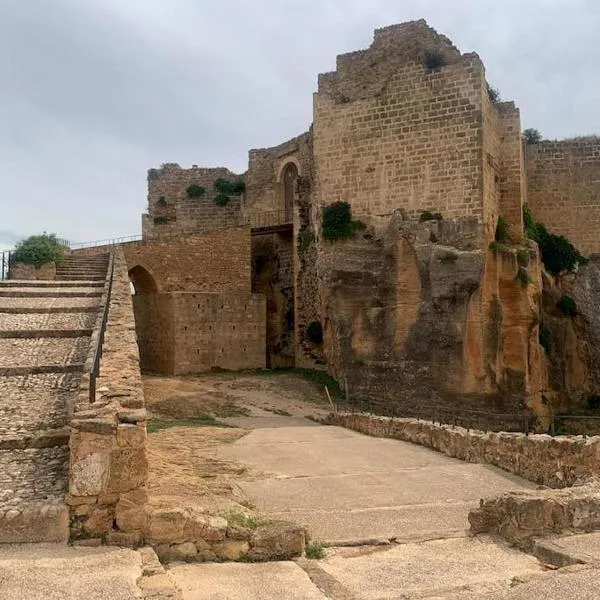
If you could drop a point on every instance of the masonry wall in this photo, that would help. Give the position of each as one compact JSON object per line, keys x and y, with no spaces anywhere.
{"x":564,"y":189}
{"x":225,"y":331}
{"x":390,"y":133}
{"x":172,"y":212}
{"x":264,"y":179}
{"x":215,"y":262}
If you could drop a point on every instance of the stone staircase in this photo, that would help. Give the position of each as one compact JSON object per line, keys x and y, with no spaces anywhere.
{"x":45,"y":329}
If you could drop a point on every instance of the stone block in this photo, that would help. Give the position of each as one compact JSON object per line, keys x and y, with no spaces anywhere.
{"x":121,"y":538}
{"x":278,"y":540}
{"x":186,"y":551}
{"x":131,"y":436}
{"x":216,"y":529}
{"x":99,"y":521}
{"x":231,"y":549}
{"x":167,"y":525}
{"x":131,"y":511}
{"x":128,"y":469}
{"x":88,"y":476}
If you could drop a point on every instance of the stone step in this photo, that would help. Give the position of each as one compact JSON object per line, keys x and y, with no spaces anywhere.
{"x":40,"y":369}
{"x":44,"y":321}
{"x":78,"y":278}
{"x":44,"y":333}
{"x":36,"y":402}
{"x":11,"y":283}
{"x":46,"y":303}
{"x":45,"y":352}
{"x":36,"y":293}
{"x":33,"y":483}
{"x":49,"y":310}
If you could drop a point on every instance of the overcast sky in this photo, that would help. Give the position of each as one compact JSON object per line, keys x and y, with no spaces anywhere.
{"x":95,"y":92}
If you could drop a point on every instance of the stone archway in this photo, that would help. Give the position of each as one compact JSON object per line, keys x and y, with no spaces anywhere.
{"x":142,"y":281}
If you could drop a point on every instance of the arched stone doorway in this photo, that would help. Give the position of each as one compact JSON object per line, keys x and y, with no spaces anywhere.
{"x":142,"y":281}
{"x":290,"y":175}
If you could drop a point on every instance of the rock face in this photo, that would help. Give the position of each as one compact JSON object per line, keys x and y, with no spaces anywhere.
{"x":420,"y":316}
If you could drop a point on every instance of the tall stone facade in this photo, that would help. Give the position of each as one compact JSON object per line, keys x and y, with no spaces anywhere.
{"x":411,"y":313}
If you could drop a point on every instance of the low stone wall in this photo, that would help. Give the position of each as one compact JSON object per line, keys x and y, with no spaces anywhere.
{"x":521,"y":517}
{"x":23,"y":271}
{"x":108,"y":465}
{"x":556,"y":462}
{"x":187,"y":533}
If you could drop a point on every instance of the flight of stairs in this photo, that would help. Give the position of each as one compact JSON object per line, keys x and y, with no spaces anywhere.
{"x":45,"y":329}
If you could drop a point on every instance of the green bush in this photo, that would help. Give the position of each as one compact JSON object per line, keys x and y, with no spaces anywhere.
{"x":546,"y":338}
{"x":434,"y":59}
{"x":558,"y":254}
{"x":222,"y":200}
{"x":532,"y":136}
{"x":153,"y":174}
{"x":314,"y":332}
{"x":233,"y":188}
{"x":162,"y":201}
{"x":38,"y":250}
{"x":502,"y":229}
{"x":494,"y":94}
{"x":523,"y":277}
{"x":523,"y":257}
{"x":567,"y":305}
{"x":337,"y":221}
{"x":160,"y":220}
{"x":314,"y":550}
{"x":195,"y":191}
{"x":429,"y":216}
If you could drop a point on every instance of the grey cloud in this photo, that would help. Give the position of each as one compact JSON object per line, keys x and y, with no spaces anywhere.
{"x":96,"y":92}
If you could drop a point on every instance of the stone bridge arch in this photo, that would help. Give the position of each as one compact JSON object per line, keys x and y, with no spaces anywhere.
{"x":142,"y":280}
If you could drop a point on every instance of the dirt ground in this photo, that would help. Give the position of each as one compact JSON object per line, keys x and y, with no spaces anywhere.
{"x":191,"y":417}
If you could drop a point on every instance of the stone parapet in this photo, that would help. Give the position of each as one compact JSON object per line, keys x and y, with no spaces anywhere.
{"x":108,"y":464}
{"x":556,"y":462}
{"x":25,"y":272}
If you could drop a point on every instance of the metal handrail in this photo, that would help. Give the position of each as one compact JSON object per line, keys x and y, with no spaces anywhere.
{"x":95,"y":369}
{"x":107,"y":242}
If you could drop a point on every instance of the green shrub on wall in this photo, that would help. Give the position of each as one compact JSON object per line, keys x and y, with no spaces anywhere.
{"x":567,"y":305}
{"x":532,"y":136}
{"x":434,"y":59}
{"x":160,"y":220}
{"x":195,"y":191}
{"x":337,"y":221}
{"x":429,"y":216}
{"x":233,"y":188}
{"x":558,"y":254}
{"x":162,"y":202}
{"x":222,"y":200}
{"x":38,"y":250}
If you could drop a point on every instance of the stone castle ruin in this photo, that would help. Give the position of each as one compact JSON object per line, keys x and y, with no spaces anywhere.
{"x":413,"y":312}
{"x":386,"y":245}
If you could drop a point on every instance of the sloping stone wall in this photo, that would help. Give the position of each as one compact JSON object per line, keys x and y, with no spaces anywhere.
{"x":553,"y":461}
{"x":108,"y":464}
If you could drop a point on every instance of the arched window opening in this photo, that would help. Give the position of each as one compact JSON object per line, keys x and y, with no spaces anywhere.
{"x":142,"y":281}
{"x":290,"y":174}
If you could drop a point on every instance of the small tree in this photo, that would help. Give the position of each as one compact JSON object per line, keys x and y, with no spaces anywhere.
{"x":532,"y":136}
{"x":195,"y":191}
{"x":337,"y":221}
{"x":38,"y":250}
{"x":494,"y":94}
{"x":434,"y":59}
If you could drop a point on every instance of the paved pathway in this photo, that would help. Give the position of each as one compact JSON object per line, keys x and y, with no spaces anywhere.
{"x":347,"y":487}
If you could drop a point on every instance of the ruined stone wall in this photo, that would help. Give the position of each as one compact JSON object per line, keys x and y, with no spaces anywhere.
{"x":108,"y":465}
{"x":390,"y":133}
{"x":264,"y":179}
{"x":553,"y":461}
{"x":214,"y":262}
{"x":177,"y":213}
{"x":22,"y":271}
{"x":563,"y":179}
{"x":491,"y":135}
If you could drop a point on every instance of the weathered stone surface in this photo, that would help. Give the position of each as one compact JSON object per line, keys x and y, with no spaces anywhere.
{"x":128,"y":469}
{"x":100,"y":426}
{"x":185,"y":551}
{"x":132,"y":416}
{"x":121,"y":538}
{"x":88,"y":475}
{"x":277,"y":540}
{"x":99,"y":521}
{"x":131,"y":511}
{"x":167,"y":525}
{"x":131,"y":436}
{"x":216,"y":529}
{"x":231,"y":549}
{"x":521,"y":517}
